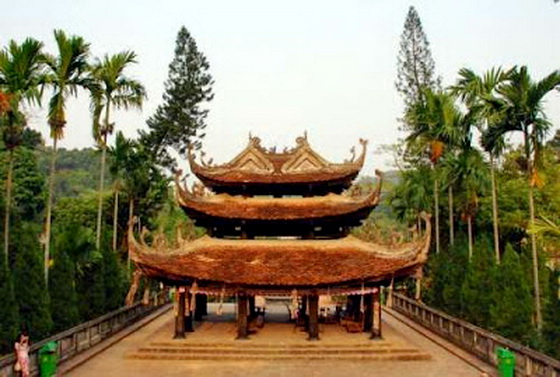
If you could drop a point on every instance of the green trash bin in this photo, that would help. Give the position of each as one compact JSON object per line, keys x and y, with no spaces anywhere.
{"x":506,"y":362}
{"x":48,"y":359}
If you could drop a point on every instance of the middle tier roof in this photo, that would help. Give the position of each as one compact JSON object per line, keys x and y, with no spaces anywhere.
{"x":202,"y":205}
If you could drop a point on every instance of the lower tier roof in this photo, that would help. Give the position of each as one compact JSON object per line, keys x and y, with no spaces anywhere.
{"x":278,"y":264}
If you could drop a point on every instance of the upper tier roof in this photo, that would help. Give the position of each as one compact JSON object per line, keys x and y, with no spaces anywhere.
{"x":208,"y":209}
{"x":257,"y":170}
{"x":279,"y":264}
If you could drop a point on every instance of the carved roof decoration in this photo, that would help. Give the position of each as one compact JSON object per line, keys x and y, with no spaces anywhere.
{"x":259,"y":165}
{"x":274,"y":264}
{"x":198,"y":202}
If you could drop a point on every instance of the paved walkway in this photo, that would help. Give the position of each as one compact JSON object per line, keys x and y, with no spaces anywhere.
{"x":112,"y":362}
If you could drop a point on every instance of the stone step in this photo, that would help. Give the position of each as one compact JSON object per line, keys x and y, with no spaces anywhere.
{"x":301,"y":346}
{"x":418,"y":356}
{"x":275,"y":351}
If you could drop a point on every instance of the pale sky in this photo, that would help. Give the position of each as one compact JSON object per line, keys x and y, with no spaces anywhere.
{"x":285,"y":67}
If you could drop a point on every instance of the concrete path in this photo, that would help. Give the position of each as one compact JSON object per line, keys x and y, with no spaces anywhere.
{"x":112,"y":362}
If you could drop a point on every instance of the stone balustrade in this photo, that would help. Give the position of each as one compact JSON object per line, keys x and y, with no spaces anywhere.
{"x":476,"y":340}
{"x":86,"y":335}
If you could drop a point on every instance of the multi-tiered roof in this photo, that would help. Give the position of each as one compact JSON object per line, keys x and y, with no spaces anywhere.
{"x":249,"y":206}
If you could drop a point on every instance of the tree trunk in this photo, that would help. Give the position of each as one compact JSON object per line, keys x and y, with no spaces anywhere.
{"x":536,"y":287}
{"x":49,"y":209}
{"x":130,"y":216}
{"x":538,"y":313}
{"x":100,"y":201}
{"x":469,"y":232}
{"x":451,"y":222}
{"x":8,"y":206}
{"x":115,"y":219}
{"x":436,"y":211}
{"x":102,"y":178}
{"x":495,"y":210}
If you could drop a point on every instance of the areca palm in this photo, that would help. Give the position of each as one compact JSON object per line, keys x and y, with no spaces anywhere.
{"x":437,"y":125}
{"x":66,"y":73}
{"x":411,"y":196}
{"x":477,"y":93}
{"x":114,"y":91}
{"x":121,"y":155}
{"x":468,"y":172}
{"x":520,"y":102}
{"x":21,"y":74}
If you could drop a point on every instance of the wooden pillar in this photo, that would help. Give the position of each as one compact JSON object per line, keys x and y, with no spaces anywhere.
{"x":189,"y":317}
{"x":376,"y":328}
{"x":313,"y":316}
{"x":180,"y":317}
{"x":368,"y":312}
{"x":201,"y":307}
{"x":242,"y":324}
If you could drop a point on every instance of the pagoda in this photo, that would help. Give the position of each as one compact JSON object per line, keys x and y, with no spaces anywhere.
{"x":278,"y":223}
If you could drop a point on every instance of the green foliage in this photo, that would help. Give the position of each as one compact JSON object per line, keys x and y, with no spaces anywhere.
{"x":479,"y":278}
{"x":180,"y":121}
{"x":62,"y":289}
{"x":77,"y":170}
{"x":30,"y":288}
{"x":114,"y":279}
{"x":91,"y":287}
{"x":445,"y":275}
{"x":412,"y":194}
{"x":9,"y":313}
{"x":551,"y":329}
{"x":513,"y":305}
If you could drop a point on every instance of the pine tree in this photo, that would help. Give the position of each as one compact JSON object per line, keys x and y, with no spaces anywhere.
{"x":62,"y":289}
{"x":551,"y":328}
{"x":416,"y":67}
{"x":8,"y":310}
{"x":114,"y":279}
{"x":91,"y":288}
{"x":512,"y":311}
{"x":181,"y":119}
{"x":30,"y":287}
{"x":478,"y":286}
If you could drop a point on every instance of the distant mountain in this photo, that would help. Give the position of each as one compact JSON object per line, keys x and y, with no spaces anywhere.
{"x":77,"y":170}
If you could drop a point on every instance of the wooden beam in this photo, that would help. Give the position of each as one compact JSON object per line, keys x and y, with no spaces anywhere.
{"x":313,"y":302}
{"x":180,"y":314}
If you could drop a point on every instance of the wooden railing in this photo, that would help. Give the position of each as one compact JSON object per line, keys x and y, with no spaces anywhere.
{"x":475,"y":340}
{"x":84,"y":336}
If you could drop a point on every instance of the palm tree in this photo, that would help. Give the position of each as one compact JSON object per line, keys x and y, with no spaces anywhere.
{"x":520,"y":102}
{"x":66,"y":73}
{"x":477,"y":93}
{"x":21,"y":74}
{"x":121,"y":155}
{"x":436,"y":125}
{"x":468,"y":172}
{"x":114,"y":91}
{"x":411,"y":196}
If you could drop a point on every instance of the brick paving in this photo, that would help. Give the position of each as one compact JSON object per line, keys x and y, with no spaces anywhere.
{"x":221,"y":330}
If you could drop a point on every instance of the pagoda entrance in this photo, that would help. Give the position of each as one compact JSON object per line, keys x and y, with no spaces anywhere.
{"x":278,"y":224}
{"x":362,"y":313}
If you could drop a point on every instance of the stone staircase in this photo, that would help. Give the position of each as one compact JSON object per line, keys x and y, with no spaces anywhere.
{"x":249,"y":351}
